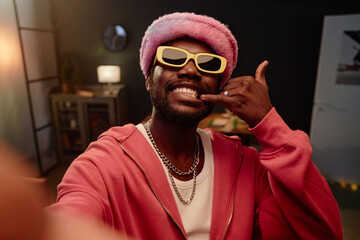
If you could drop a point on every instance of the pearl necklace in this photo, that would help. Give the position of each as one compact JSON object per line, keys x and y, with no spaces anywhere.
{"x":171,"y":166}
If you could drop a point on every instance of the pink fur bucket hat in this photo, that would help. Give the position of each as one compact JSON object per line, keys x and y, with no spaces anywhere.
{"x":203,"y":28}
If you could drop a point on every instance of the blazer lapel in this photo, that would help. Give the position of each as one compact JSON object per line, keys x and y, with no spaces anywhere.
{"x":144,"y":156}
{"x":227,"y":161}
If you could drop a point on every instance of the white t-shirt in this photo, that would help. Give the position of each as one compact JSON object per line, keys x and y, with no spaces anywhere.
{"x":196,"y":216}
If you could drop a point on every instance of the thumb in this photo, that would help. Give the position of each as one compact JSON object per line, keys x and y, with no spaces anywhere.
{"x":260,"y":73}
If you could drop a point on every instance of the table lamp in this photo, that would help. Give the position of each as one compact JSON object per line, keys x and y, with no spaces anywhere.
{"x":108,"y":74}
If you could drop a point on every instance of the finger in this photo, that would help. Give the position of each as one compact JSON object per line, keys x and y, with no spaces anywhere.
{"x":227,"y":93}
{"x":220,"y":98}
{"x":235,"y":83}
{"x":231,"y":85}
{"x":260,"y":73}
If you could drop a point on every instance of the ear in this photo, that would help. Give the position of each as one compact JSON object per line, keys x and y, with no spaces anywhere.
{"x":149,"y":79}
{"x":148,"y":82}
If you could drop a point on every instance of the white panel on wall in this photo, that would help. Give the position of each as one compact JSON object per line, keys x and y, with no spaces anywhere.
{"x":40,"y":103}
{"x":34,"y":14}
{"x":15,"y":118}
{"x":335,"y":121}
{"x":39,"y":53}
{"x":47,"y":148}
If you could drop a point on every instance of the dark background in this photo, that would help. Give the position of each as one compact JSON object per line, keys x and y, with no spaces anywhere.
{"x":287,"y":33}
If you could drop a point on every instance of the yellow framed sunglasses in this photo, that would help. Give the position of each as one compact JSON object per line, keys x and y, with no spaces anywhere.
{"x":177,"y":57}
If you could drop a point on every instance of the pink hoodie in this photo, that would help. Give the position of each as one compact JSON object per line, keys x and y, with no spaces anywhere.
{"x":277,"y":194}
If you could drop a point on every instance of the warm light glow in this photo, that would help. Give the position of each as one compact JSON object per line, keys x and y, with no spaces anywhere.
{"x":343,"y":184}
{"x":108,"y":74}
{"x":9,"y":50}
{"x":354,"y":186}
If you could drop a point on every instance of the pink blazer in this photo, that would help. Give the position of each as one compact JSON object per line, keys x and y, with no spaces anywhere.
{"x":277,"y":194}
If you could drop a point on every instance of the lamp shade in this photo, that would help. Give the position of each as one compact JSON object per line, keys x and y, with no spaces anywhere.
{"x":108,"y":73}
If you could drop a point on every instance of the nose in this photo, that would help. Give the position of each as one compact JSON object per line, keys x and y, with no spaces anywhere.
{"x":190,"y":71}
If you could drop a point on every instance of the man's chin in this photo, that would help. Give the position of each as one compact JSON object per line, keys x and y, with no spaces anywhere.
{"x":185,"y":118}
{"x":183,"y":115}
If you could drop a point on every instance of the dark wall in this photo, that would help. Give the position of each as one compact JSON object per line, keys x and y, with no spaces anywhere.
{"x":287,"y":34}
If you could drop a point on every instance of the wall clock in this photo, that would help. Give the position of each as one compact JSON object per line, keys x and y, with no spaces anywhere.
{"x":114,"y":38}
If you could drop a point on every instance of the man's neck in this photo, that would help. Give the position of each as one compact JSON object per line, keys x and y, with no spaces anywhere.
{"x":177,"y":143}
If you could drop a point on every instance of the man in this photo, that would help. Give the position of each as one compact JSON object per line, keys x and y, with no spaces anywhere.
{"x":167,"y":179}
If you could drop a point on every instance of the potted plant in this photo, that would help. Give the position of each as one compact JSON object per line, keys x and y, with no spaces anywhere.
{"x":66,"y":71}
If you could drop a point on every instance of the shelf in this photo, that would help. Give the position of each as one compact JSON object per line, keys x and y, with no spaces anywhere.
{"x":98,"y":110}
{"x":68,"y":109}
{"x":79,"y":120}
{"x":70,"y":129}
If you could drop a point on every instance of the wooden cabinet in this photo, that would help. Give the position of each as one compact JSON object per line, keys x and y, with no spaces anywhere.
{"x":79,"y":119}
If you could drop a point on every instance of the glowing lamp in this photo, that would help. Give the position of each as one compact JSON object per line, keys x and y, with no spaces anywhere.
{"x":108,"y":74}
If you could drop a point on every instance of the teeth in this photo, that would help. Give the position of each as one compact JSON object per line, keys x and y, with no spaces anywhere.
{"x":186,"y":91}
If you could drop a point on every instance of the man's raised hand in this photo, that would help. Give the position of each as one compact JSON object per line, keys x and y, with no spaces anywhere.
{"x":247,"y":97}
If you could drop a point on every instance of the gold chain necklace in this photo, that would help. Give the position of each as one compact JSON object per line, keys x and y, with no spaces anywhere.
{"x":171,"y":166}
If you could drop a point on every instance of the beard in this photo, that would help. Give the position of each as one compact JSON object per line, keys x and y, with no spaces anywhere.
{"x":180,"y":118}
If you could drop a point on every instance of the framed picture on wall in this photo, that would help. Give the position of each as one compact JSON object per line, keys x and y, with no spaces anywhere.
{"x":348,"y":71}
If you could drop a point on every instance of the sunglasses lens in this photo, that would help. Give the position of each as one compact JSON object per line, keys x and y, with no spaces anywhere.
{"x":173,"y":56}
{"x":209,"y":63}
{"x":177,"y":58}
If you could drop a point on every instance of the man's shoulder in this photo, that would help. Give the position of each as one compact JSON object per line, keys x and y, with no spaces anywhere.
{"x":105,"y":152}
{"x":120,"y":133}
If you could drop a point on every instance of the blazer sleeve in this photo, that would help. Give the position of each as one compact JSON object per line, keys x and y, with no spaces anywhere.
{"x":83,"y":190}
{"x":302,"y":195}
